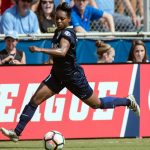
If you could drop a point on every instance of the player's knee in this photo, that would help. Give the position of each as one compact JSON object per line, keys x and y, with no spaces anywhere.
{"x":95,"y":106}
{"x":35,"y":101}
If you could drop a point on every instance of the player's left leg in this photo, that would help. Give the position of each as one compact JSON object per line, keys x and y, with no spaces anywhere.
{"x":42,"y":94}
{"x":47,"y":88}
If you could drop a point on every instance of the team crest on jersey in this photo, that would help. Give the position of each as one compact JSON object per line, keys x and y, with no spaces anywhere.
{"x":55,"y":45}
{"x":67,"y":33}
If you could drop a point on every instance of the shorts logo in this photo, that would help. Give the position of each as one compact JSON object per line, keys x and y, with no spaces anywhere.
{"x":48,"y":78}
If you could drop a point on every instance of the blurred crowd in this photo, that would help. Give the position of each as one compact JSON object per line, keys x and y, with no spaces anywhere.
{"x":38,"y":16}
{"x":137,"y":53}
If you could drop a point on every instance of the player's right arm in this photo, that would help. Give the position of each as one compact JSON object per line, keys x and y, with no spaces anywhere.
{"x":57,"y":52}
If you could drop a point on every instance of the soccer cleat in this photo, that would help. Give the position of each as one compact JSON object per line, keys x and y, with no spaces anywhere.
{"x":134,"y":106}
{"x":10,"y":134}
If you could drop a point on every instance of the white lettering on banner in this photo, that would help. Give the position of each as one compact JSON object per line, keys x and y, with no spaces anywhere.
{"x":74,"y":114}
{"x":58,"y":104}
{"x":103,"y":88}
{"x":29,"y":92}
{"x":54,"y":107}
{"x":5,"y":101}
{"x":149,"y":100}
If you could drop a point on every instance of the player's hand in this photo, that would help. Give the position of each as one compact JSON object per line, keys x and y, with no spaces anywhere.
{"x":34,"y":49}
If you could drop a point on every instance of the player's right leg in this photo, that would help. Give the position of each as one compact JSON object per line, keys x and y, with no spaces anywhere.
{"x":112,"y":102}
{"x":79,"y":86}
{"x":133,"y":105}
{"x":42,"y":93}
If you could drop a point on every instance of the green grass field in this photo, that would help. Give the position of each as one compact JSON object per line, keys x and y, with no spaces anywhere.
{"x":86,"y":144}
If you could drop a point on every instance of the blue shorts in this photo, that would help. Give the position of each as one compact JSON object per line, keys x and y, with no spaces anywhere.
{"x":76,"y":83}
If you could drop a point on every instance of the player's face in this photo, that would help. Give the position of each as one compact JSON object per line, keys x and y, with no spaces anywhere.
{"x":139,"y":53}
{"x":62,"y":20}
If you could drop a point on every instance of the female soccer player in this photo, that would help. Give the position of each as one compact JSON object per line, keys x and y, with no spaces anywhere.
{"x":65,"y":73}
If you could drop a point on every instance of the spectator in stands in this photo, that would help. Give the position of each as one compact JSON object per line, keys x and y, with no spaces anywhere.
{"x":35,"y":5}
{"x":105,"y":52}
{"x":138,"y":6}
{"x":5,"y":4}
{"x":135,"y":5}
{"x":10,"y":55}
{"x":122,"y":22}
{"x":0,"y":18}
{"x":0,"y":6}
{"x":46,"y":16}
{"x":132,"y":12}
{"x":70,"y":2}
{"x":138,"y":52}
{"x":83,"y":14}
{"x":20,"y":18}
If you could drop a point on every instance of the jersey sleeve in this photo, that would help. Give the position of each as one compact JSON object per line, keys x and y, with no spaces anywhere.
{"x":68,"y":35}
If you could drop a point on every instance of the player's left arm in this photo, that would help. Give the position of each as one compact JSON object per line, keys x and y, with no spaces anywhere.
{"x":60,"y":52}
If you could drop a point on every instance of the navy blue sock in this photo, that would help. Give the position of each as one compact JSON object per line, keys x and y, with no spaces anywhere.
{"x":25,"y":117}
{"x":112,"y":102}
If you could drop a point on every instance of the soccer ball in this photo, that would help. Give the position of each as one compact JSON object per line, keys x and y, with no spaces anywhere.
{"x":54,"y":140}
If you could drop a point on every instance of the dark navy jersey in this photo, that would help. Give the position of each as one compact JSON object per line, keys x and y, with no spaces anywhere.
{"x":65,"y":71}
{"x":65,"y":65}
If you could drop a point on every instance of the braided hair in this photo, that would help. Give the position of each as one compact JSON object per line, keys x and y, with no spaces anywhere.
{"x":64,"y":7}
{"x":102,"y":47}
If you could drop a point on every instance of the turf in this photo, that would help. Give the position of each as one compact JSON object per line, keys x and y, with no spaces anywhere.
{"x":86,"y":144}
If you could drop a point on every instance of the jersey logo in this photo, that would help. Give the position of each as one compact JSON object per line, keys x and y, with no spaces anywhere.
{"x":56,"y":45}
{"x":67,"y":33}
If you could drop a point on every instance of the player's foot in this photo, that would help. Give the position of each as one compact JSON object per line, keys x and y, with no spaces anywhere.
{"x":134,"y":106}
{"x":10,"y":134}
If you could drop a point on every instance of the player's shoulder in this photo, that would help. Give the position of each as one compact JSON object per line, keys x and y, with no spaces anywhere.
{"x":69,"y":32}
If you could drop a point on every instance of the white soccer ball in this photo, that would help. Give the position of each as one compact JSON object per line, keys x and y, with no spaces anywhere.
{"x":54,"y":140}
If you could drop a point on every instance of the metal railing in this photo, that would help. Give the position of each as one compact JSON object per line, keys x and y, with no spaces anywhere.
{"x":89,"y":35}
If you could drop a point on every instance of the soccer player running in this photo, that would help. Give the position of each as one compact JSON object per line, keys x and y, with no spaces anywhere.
{"x":65,"y":73}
